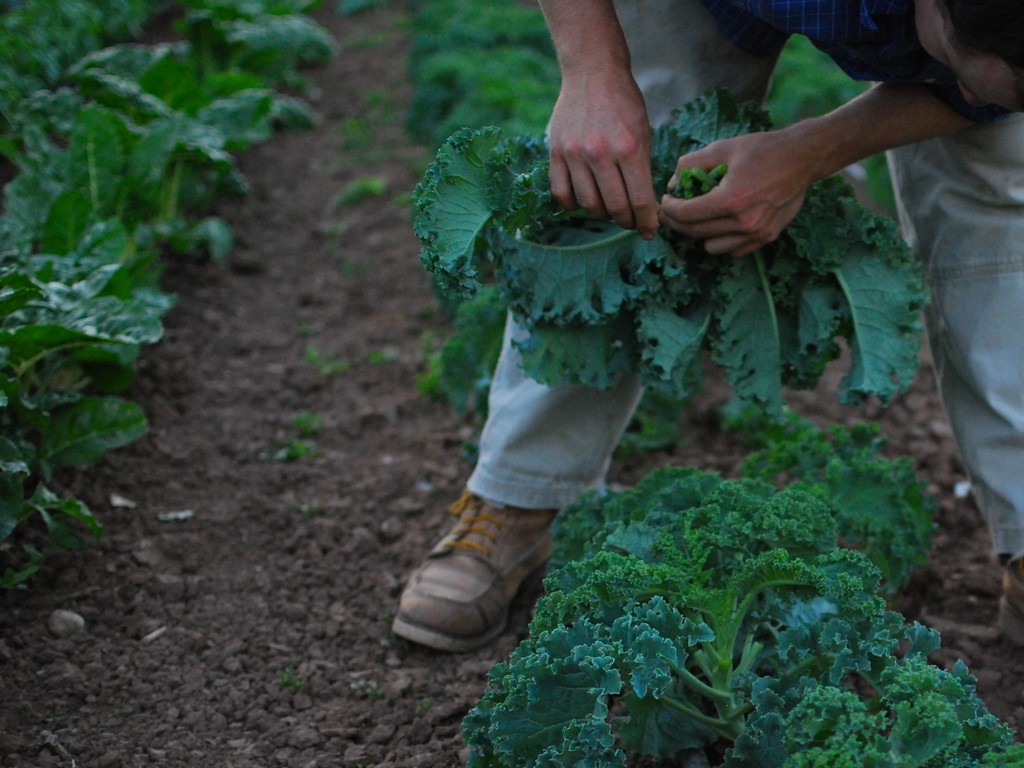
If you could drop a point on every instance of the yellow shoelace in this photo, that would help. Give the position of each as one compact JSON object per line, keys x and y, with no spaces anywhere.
{"x":473,"y":521}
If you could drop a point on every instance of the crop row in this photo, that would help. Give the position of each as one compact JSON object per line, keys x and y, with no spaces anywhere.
{"x":113,"y":155}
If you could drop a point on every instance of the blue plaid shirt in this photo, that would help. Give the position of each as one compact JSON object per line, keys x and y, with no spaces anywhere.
{"x":869,"y":39}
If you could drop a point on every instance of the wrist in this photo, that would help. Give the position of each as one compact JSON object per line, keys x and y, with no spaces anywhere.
{"x":587,"y":39}
{"x":823,"y":150}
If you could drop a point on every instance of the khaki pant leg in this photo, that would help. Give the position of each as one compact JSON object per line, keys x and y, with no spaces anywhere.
{"x":542,"y":446}
{"x":961,"y":204}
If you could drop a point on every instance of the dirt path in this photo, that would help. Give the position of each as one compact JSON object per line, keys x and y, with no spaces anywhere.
{"x":238,"y":614}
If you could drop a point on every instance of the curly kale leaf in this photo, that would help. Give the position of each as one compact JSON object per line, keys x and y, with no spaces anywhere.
{"x":596,"y":356}
{"x":682,"y":592}
{"x":582,"y":274}
{"x":884,"y":298}
{"x":712,"y":116}
{"x":576,"y":529}
{"x":454,"y":204}
{"x":745,"y":310}
{"x":881,"y":507}
{"x":479,"y":184}
{"x":671,"y":340}
{"x":923,"y":717}
{"x":548,"y":703}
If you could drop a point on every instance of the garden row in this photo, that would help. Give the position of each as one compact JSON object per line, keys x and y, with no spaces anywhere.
{"x":742,"y":619}
{"x":114,"y":154}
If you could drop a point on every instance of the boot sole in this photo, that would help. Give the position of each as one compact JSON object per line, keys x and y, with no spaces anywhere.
{"x":442,"y":642}
{"x":433,"y":638}
{"x":1011,"y":620}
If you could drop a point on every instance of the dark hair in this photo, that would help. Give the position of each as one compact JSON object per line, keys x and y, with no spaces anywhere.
{"x":993,"y":26}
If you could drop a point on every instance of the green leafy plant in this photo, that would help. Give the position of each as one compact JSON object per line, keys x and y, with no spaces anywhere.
{"x":368,"y":688}
{"x":700,"y":613}
{"x":71,"y":327}
{"x":289,"y":678}
{"x":323,"y":362}
{"x":881,"y":508}
{"x":599,"y":302}
{"x":308,"y":423}
{"x":294,"y":449}
{"x":656,"y":424}
{"x":381,"y":356}
{"x":361,"y":189}
{"x":39,"y":40}
{"x":273,"y":37}
{"x":118,"y":152}
{"x":479,"y":63}
{"x":19,"y":578}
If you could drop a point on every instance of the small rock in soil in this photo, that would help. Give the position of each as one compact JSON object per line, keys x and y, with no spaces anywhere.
{"x":304,"y":738}
{"x":64,"y":623}
{"x":110,"y":759}
{"x":391,"y":529}
{"x":10,"y":743}
{"x":355,"y":753}
{"x":146,"y":552}
{"x":382,"y":734}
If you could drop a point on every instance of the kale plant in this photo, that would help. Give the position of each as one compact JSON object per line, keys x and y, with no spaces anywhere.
{"x":600,"y":302}
{"x":699,"y":613}
{"x":881,"y":507}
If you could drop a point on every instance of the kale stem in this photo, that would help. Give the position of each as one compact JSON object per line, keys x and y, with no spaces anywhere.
{"x":681,"y":705}
{"x":751,"y":650}
{"x":766,"y":287}
{"x":623,"y":235}
{"x":701,"y":687}
{"x":702,"y":660}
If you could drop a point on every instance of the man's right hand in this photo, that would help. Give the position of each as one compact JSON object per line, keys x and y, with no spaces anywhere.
{"x":599,"y":132}
{"x":600,"y":151}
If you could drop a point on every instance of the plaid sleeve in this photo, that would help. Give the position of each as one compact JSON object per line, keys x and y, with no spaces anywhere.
{"x":744,"y":29}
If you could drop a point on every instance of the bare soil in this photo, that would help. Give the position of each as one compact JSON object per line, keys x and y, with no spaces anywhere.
{"x":237,"y":608}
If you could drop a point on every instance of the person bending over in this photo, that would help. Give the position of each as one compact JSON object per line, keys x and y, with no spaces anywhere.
{"x":948,"y":76}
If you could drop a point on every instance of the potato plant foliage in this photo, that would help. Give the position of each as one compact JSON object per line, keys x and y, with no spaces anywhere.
{"x":118,"y":150}
{"x":600,"y":303}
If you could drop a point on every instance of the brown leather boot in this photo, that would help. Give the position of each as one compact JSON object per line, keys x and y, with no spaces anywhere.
{"x":458,"y":599}
{"x":1011,"y":605}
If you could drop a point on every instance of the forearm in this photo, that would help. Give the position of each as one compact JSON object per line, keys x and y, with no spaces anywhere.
{"x":586,"y":34}
{"x":884,"y":117}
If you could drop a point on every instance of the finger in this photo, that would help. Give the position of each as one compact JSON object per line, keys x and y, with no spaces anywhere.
{"x":561,"y":184}
{"x":705,"y":158}
{"x":679,"y":215}
{"x":588,"y":194}
{"x":642,"y":202}
{"x":705,"y":228}
{"x":735,"y":246}
{"x":614,"y":195}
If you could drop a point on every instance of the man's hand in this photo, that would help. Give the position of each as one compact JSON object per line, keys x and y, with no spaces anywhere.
{"x":769,"y":172}
{"x":599,"y":133}
{"x":600,"y":150}
{"x":761,"y":193}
